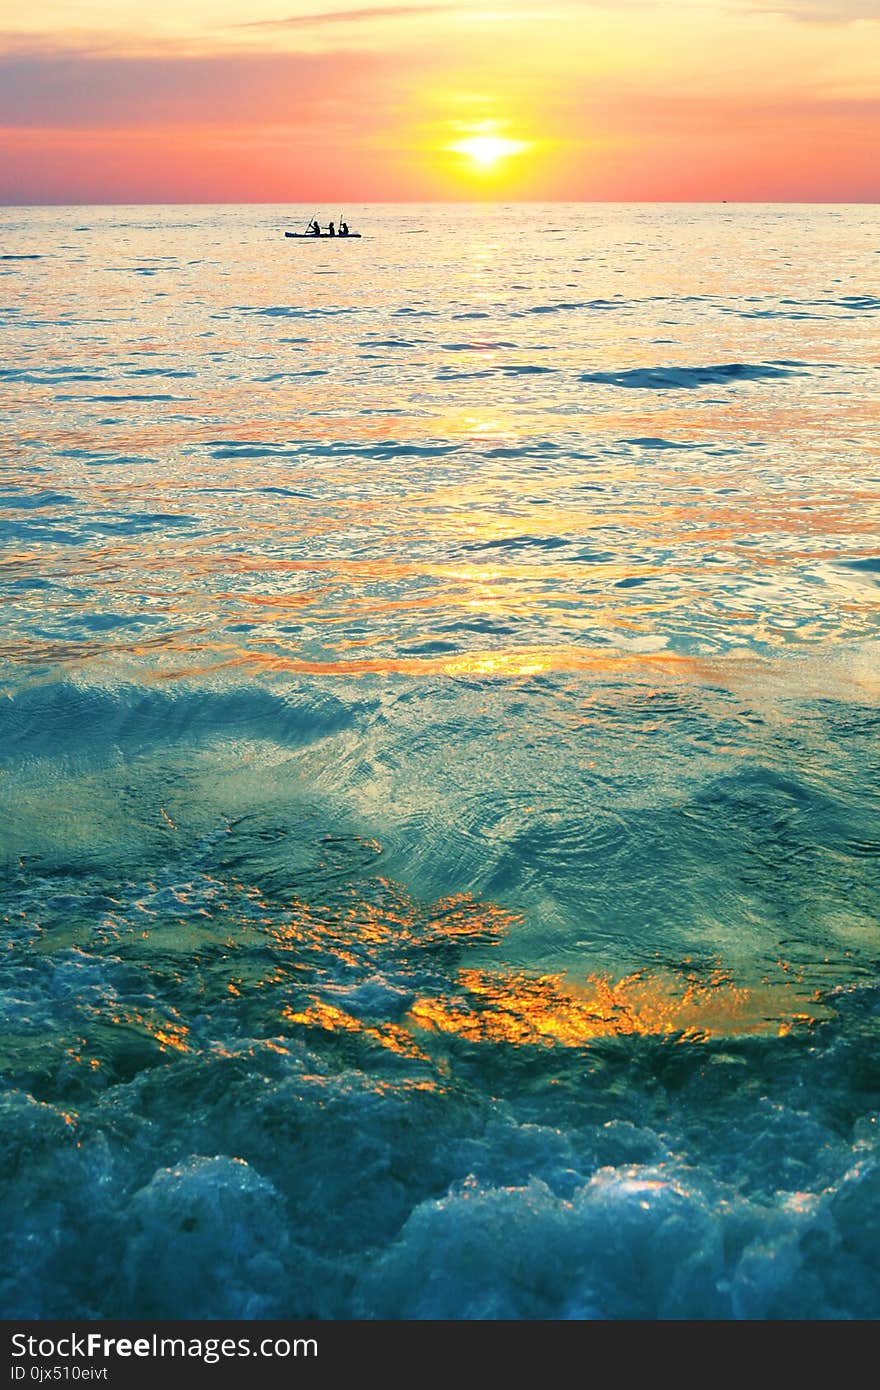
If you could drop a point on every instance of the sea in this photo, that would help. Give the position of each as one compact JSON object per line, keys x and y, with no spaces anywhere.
{"x":440,"y":762}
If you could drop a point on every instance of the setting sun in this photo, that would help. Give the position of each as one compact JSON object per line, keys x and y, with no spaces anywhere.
{"x":487,"y":151}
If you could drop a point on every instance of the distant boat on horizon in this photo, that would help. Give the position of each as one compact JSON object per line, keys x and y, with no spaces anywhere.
{"x":324,"y":236}
{"x":313,"y":231}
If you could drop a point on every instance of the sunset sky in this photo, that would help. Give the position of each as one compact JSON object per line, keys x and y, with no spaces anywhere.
{"x":304,"y":100}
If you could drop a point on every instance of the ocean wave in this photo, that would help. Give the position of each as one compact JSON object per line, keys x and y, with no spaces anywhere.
{"x":35,"y":501}
{"x":389,"y":343}
{"x":691,"y":378}
{"x":870,"y":564}
{"x":63,"y":716}
{"x":225,"y":1012}
{"x":273,"y":1177}
{"x":115,"y":398}
{"x":289,"y":311}
{"x":49,"y":376}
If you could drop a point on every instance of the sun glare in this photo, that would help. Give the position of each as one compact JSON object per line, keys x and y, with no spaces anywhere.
{"x":487,"y":151}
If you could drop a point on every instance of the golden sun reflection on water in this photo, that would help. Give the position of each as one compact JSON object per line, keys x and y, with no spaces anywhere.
{"x":515,"y":1007}
{"x":502,"y":1006}
{"x":332,"y":1019}
{"x":547,"y":1011}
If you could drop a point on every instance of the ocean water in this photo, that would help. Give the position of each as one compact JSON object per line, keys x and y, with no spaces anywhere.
{"x":439,"y":763}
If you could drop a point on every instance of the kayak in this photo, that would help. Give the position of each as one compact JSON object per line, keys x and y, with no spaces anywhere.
{"x":310,"y":236}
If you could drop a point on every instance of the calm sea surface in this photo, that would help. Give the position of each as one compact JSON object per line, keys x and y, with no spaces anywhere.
{"x":440,"y":762}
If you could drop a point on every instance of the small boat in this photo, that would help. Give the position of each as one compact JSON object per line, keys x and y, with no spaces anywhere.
{"x":325,"y":236}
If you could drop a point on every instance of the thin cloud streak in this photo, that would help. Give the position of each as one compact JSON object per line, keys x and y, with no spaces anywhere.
{"x":832,"y":12}
{"x":303,"y":21}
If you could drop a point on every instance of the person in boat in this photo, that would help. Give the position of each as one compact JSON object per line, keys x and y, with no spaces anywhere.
{"x":331,"y":230}
{"x":343,"y":229}
{"x":314,"y":228}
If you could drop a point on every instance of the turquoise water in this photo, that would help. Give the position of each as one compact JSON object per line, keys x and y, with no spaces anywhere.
{"x":439,"y":758}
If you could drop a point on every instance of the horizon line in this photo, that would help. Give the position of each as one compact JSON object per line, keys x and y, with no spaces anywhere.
{"x":455,"y":202}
